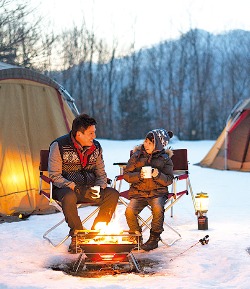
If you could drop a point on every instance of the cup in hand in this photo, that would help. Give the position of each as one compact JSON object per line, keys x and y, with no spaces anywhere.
{"x":97,"y":193}
{"x":147,"y":172}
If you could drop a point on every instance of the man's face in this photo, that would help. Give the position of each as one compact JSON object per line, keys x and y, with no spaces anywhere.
{"x":86,"y":138}
{"x":149,"y":146}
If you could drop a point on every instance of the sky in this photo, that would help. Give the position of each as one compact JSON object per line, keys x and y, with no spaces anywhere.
{"x":146,"y":21}
{"x":27,"y":259}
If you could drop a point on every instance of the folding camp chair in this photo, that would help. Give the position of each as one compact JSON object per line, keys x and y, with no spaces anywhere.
{"x":180,"y":163}
{"x":45,"y":189}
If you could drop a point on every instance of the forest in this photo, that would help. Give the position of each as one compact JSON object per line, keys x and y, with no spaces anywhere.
{"x":188,"y":85}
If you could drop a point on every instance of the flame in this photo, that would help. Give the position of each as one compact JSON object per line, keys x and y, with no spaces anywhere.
{"x":108,"y":233}
{"x":112,"y":228}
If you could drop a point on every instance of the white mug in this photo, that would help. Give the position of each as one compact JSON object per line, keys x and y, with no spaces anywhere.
{"x":147,"y":171}
{"x":97,"y":194}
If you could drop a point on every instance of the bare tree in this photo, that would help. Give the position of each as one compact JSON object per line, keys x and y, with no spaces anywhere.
{"x":134,"y":117}
{"x":21,"y":41}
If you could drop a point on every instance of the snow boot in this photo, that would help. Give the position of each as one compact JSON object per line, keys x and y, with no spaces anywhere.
{"x":152,"y":242}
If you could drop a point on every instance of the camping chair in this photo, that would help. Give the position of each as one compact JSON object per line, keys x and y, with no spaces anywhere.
{"x":45,"y":189}
{"x":180,"y":173}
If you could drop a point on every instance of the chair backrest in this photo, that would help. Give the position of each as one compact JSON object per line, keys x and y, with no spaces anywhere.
{"x":180,"y":160}
{"x":44,"y":156}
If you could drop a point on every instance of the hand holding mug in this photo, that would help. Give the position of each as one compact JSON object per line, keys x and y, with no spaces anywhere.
{"x":92,"y":193}
{"x":96,"y":192}
{"x":155,"y":172}
{"x":148,"y":172}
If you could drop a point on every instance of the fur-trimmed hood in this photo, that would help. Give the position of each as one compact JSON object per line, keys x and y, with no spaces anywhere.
{"x":141,"y":147}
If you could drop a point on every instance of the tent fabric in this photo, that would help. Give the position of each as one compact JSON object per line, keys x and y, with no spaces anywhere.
{"x":231,"y":150}
{"x":33,"y":113}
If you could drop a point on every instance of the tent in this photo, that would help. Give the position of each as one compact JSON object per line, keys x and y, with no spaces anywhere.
{"x":231,"y":150}
{"x":34,"y":110}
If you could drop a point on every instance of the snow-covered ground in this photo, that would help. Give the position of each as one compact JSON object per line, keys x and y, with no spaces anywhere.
{"x":26,"y":259}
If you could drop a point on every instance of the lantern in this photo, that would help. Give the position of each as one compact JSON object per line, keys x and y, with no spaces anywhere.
{"x":201,"y":207}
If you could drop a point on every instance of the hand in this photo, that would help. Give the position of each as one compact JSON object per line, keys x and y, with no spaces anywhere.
{"x":142,"y":174}
{"x":155,"y":173}
{"x":77,"y":189}
{"x":90,"y":194}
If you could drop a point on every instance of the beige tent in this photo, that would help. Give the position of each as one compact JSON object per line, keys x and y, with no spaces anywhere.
{"x":34,"y":110}
{"x":231,"y":151}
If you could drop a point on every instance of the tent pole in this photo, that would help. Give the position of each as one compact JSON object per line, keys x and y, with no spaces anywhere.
{"x":228,"y":127}
{"x":225,"y":150}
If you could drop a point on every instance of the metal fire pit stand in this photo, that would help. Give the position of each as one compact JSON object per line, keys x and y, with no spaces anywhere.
{"x":100,"y":252}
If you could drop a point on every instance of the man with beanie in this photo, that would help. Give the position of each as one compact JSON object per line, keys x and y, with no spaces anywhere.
{"x":149,"y":190}
{"x":75,"y":166}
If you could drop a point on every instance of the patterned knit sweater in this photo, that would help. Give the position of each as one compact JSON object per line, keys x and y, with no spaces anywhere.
{"x":70,"y":165}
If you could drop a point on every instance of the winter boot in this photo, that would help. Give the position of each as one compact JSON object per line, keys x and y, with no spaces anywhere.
{"x":152,"y":242}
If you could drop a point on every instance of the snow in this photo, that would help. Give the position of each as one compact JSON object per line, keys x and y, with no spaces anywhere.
{"x":27,"y":259}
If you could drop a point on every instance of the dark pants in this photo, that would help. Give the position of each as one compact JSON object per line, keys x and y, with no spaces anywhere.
{"x":135,"y":206}
{"x":69,"y":199}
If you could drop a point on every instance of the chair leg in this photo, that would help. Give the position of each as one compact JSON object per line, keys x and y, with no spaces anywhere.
{"x":45,"y":235}
{"x":146,"y":222}
{"x":173,"y":241}
{"x":147,"y":226}
{"x":50,"y":230}
{"x":90,"y":216}
{"x":191,"y":192}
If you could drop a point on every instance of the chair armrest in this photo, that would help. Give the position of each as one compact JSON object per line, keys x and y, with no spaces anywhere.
{"x":46,"y":179}
{"x":120,"y":164}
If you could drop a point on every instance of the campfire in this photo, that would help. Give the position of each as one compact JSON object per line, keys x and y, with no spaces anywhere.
{"x":107,"y":244}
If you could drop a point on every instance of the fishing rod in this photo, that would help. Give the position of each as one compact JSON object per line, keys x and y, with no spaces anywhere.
{"x":203,"y":242}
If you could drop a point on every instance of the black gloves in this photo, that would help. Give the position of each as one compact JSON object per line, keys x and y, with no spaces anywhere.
{"x":88,"y":193}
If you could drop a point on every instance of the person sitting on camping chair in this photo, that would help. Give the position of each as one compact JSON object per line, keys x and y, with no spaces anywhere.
{"x":152,"y":189}
{"x":75,"y":165}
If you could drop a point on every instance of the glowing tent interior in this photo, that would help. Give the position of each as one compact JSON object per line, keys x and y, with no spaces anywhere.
{"x":34,"y":110}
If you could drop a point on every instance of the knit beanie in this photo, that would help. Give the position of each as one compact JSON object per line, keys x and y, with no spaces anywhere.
{"x":160,"y":137}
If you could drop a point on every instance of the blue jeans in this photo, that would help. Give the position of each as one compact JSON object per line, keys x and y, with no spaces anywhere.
{"x":135,"y":206}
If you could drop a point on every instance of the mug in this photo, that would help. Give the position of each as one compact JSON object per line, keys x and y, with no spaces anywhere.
{"x":97,"y":194}
{"x":147,"y":171}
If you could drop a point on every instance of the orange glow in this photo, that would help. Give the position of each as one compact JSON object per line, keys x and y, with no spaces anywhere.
{"x":107,"y":257}
{"x":17,"y":172}
{"x":15,"y":179}
{"x":112,"y":228}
